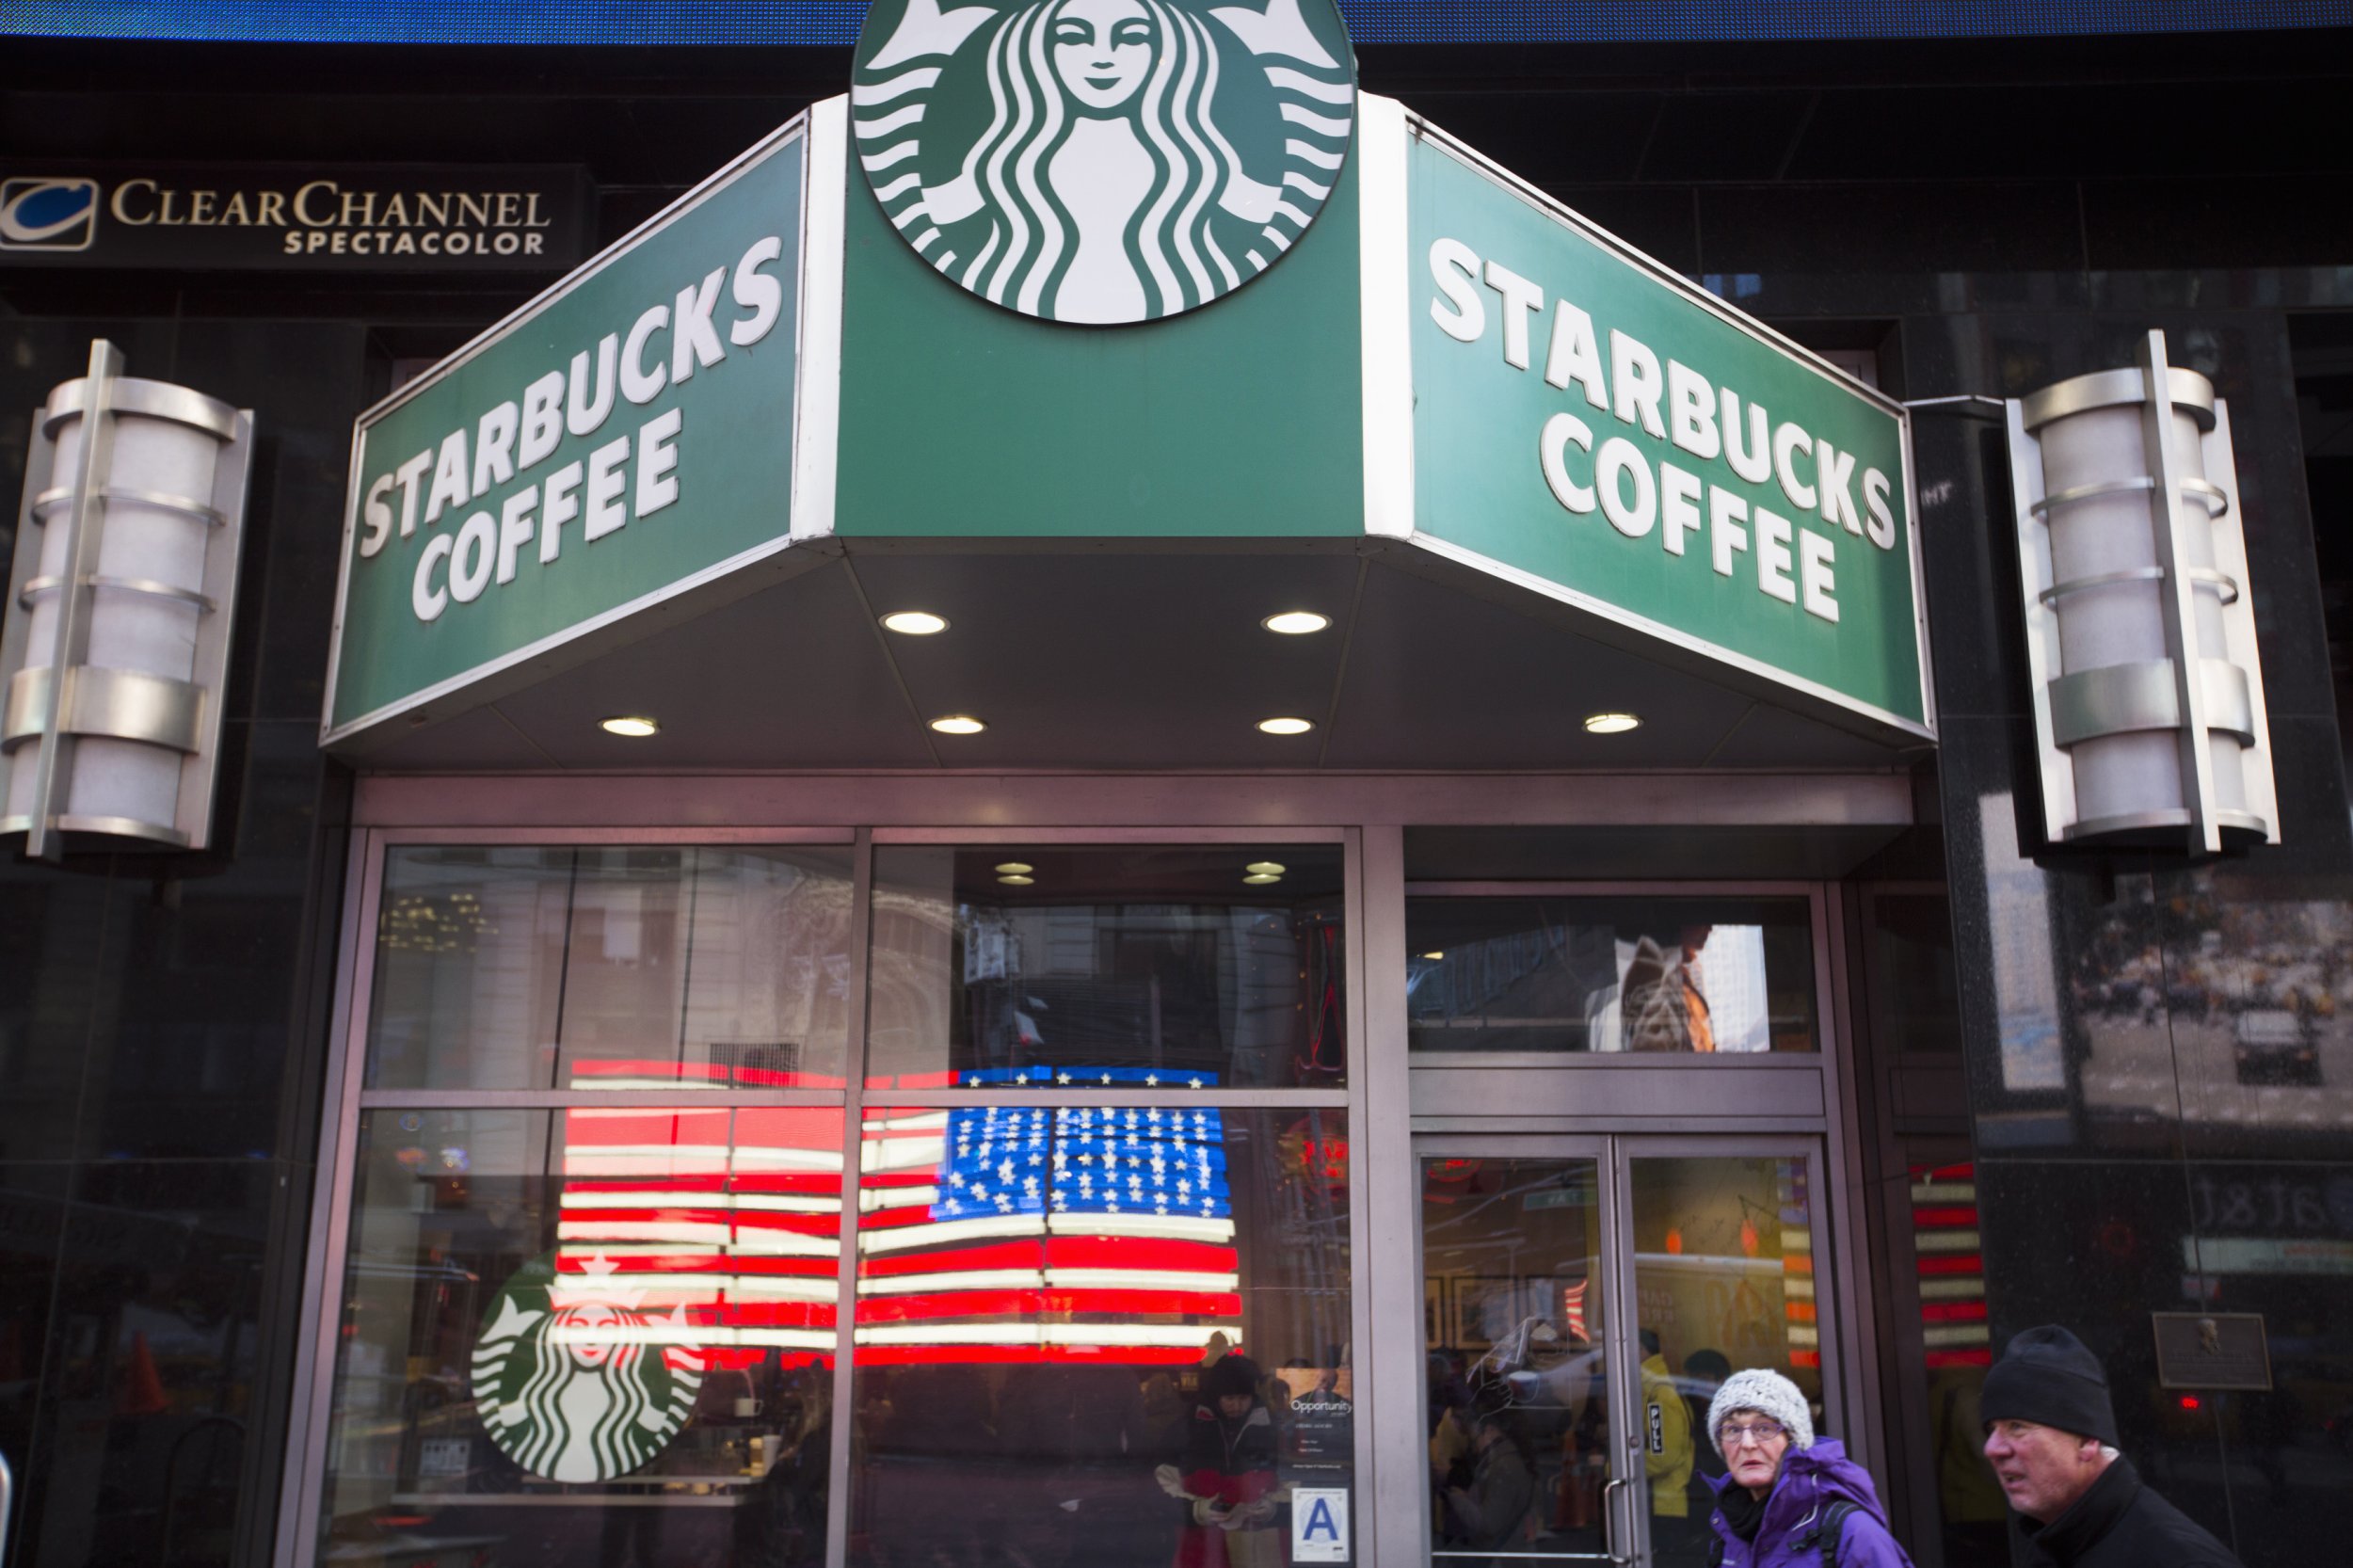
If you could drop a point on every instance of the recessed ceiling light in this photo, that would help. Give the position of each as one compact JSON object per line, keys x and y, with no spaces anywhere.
{"x":1017,"y":881}
{"x":1259,"y":879}
{"x":1287,"y":727}
{"x":958,"y":724}
{"x":914,"y":623}
{"x":635,"y":726}
{"x":1433,"y":957}
{"x":1296,"y":623}
{"x":1265,"y":868}
{"x":1611,"y":723}
{"x":1014,"y":868}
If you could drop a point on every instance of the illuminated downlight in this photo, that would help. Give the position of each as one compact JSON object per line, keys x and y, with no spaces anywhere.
{"x":1017,"y":880}
{"x":1285,"y":726}
{"x":914,"y":623}
{"x":958,"y":724}
{"x":1296,"y":623}
{"x":1259,"y":879}
{"x":1611,"y":723}
{"x":1264,"y":868}
{"x":636,"y":727}
{"x":1014,"y":868}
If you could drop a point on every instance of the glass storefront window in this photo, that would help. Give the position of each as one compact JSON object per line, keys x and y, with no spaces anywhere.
{"x":1578,"y":973}
{"x":597,"y":1334}
{"x":598,"y":968}
{"x":1134,"y":967}
{"x":1914,"y":986}
{"x":1110,"y":1336}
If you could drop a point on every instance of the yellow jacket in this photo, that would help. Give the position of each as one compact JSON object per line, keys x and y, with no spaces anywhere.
{"x":1666,"y":1442}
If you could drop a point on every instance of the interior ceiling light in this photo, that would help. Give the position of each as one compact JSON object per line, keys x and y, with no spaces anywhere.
{"x":1285,"y":726}
{"x":1611,"y":723}
{"x":1259,"y":879}
{"x":958,"y":724}
{"x":1017,"y":880}
{"x":635,"y":726}
{"x":914,"y":623}
{"x":1435,"y":957}
{"x":1014,"y":868}
{"x":1264,"y":868}
{"x":1296,"y":623}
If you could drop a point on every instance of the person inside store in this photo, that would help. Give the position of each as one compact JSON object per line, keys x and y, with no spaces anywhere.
{"x":1488,"y":1511}
{"x":2050,"y":1435}
{"x":1227,"y":1476}
{"x":1789,"y":1499}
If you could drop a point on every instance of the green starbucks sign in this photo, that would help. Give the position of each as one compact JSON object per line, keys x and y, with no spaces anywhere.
{"x":997,"y":294}
{"x":1102,"y":161}
{"x":574,"y":1382}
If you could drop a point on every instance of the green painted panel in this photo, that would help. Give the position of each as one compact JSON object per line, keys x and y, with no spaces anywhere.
{"x":1767,"y":558}
{"x":447,"y":571}
{"x":1241,"y":419}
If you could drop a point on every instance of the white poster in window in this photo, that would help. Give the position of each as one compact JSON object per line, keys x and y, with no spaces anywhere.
{"x":1320,"y":1524}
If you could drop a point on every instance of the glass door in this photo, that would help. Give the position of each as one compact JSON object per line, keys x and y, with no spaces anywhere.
{"x":1582,"y":1300}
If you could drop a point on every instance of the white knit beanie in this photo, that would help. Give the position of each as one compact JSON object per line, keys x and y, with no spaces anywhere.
{"x":1768,"y":1394}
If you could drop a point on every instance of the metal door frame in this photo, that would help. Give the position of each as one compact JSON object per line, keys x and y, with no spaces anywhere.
{"x":1625,"y":1517}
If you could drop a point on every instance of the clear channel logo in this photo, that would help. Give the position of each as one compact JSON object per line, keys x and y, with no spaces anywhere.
{"x":1102,"y":161}
{"x":39,"y":214}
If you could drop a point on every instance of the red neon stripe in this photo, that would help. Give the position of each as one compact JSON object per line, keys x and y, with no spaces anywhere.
{"x":924,"y":1306}
{"x":1956,"y":1216}
{"x":1960,"y":1358}
{"x":778,"y":1313}
{"x":1799,"y":1312}
{"x":1797,"y":1263}
{"x":1021,"y":1355}
{"x":1952,"y":1312}
{"x":995,"y":1254}
{"x":1806,"y":1358}
{"x":1959,"y":1263}
{"x":1116,"y":1252}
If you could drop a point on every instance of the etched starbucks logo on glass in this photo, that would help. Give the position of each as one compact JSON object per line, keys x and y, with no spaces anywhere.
{"x":1102,"y":161}
{"x":572,"y":1382}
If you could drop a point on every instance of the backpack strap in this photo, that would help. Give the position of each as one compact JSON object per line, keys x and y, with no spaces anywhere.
{"x":1829,"y":1524}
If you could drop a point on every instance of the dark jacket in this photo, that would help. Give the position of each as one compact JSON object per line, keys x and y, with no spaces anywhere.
{"x":2118,"y":1524}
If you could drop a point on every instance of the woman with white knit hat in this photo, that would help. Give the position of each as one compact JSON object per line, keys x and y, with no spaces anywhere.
{"x":1789,"y":1499}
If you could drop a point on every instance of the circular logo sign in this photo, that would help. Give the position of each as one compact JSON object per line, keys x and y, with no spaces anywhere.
{"x":572,"y":1382}
{"x":1102,"y":161}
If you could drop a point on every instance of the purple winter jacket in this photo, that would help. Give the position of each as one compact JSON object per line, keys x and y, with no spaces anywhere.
{"x":1811,"y":1479}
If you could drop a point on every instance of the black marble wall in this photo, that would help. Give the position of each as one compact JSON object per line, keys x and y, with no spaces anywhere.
{"x":161,"y":1021}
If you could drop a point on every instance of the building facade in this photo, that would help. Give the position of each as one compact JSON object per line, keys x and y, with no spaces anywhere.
{"x":453,"y":1162}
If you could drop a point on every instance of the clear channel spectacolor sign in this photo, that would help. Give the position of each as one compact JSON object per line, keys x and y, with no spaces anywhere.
{"x":1102,"y":161}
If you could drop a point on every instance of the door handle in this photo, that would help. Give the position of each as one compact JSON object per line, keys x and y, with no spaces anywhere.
{"x":1610,"y":1523}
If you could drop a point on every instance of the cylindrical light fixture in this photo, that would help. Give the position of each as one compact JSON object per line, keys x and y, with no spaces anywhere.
{"x":116,"y":644}
{"x":2149,"y":704}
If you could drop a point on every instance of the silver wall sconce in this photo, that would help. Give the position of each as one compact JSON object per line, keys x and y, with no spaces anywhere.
{"x":116,"y":644}
{"x":2148,"y":694}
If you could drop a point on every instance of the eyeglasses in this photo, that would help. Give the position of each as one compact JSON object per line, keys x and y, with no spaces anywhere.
{"x":1761,"y":1433}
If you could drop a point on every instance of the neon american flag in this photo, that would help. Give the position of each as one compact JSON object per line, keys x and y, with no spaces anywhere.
{"x":985,"y":1233}
{"x":1025,"y":1234}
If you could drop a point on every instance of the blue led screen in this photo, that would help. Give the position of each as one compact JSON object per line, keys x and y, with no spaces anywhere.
{"x":836,"y":21}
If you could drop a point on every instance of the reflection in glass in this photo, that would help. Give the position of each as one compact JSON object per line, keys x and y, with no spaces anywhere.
{"x":1724,"y":1281}
{"x":611,"y":967}
{"x":1512,"y":1313}
{"x":591,"y":1333}
{"x":1946,"y":1245}
{"x":1914,"y":985}
{"x":1099,"y":1336}
{"x":1609,"y":974}
{"x":1139,"y":967}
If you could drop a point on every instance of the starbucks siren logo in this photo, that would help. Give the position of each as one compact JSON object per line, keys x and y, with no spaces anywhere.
{"x":574,"y":1383}
{"x":1102,"y":160}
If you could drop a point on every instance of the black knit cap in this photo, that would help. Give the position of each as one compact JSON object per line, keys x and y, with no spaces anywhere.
{"x":2048,"y":1377}
{"x":1229,"y":1374}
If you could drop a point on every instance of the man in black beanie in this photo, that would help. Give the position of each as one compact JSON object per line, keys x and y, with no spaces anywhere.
{"x":2050,"y":1435}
